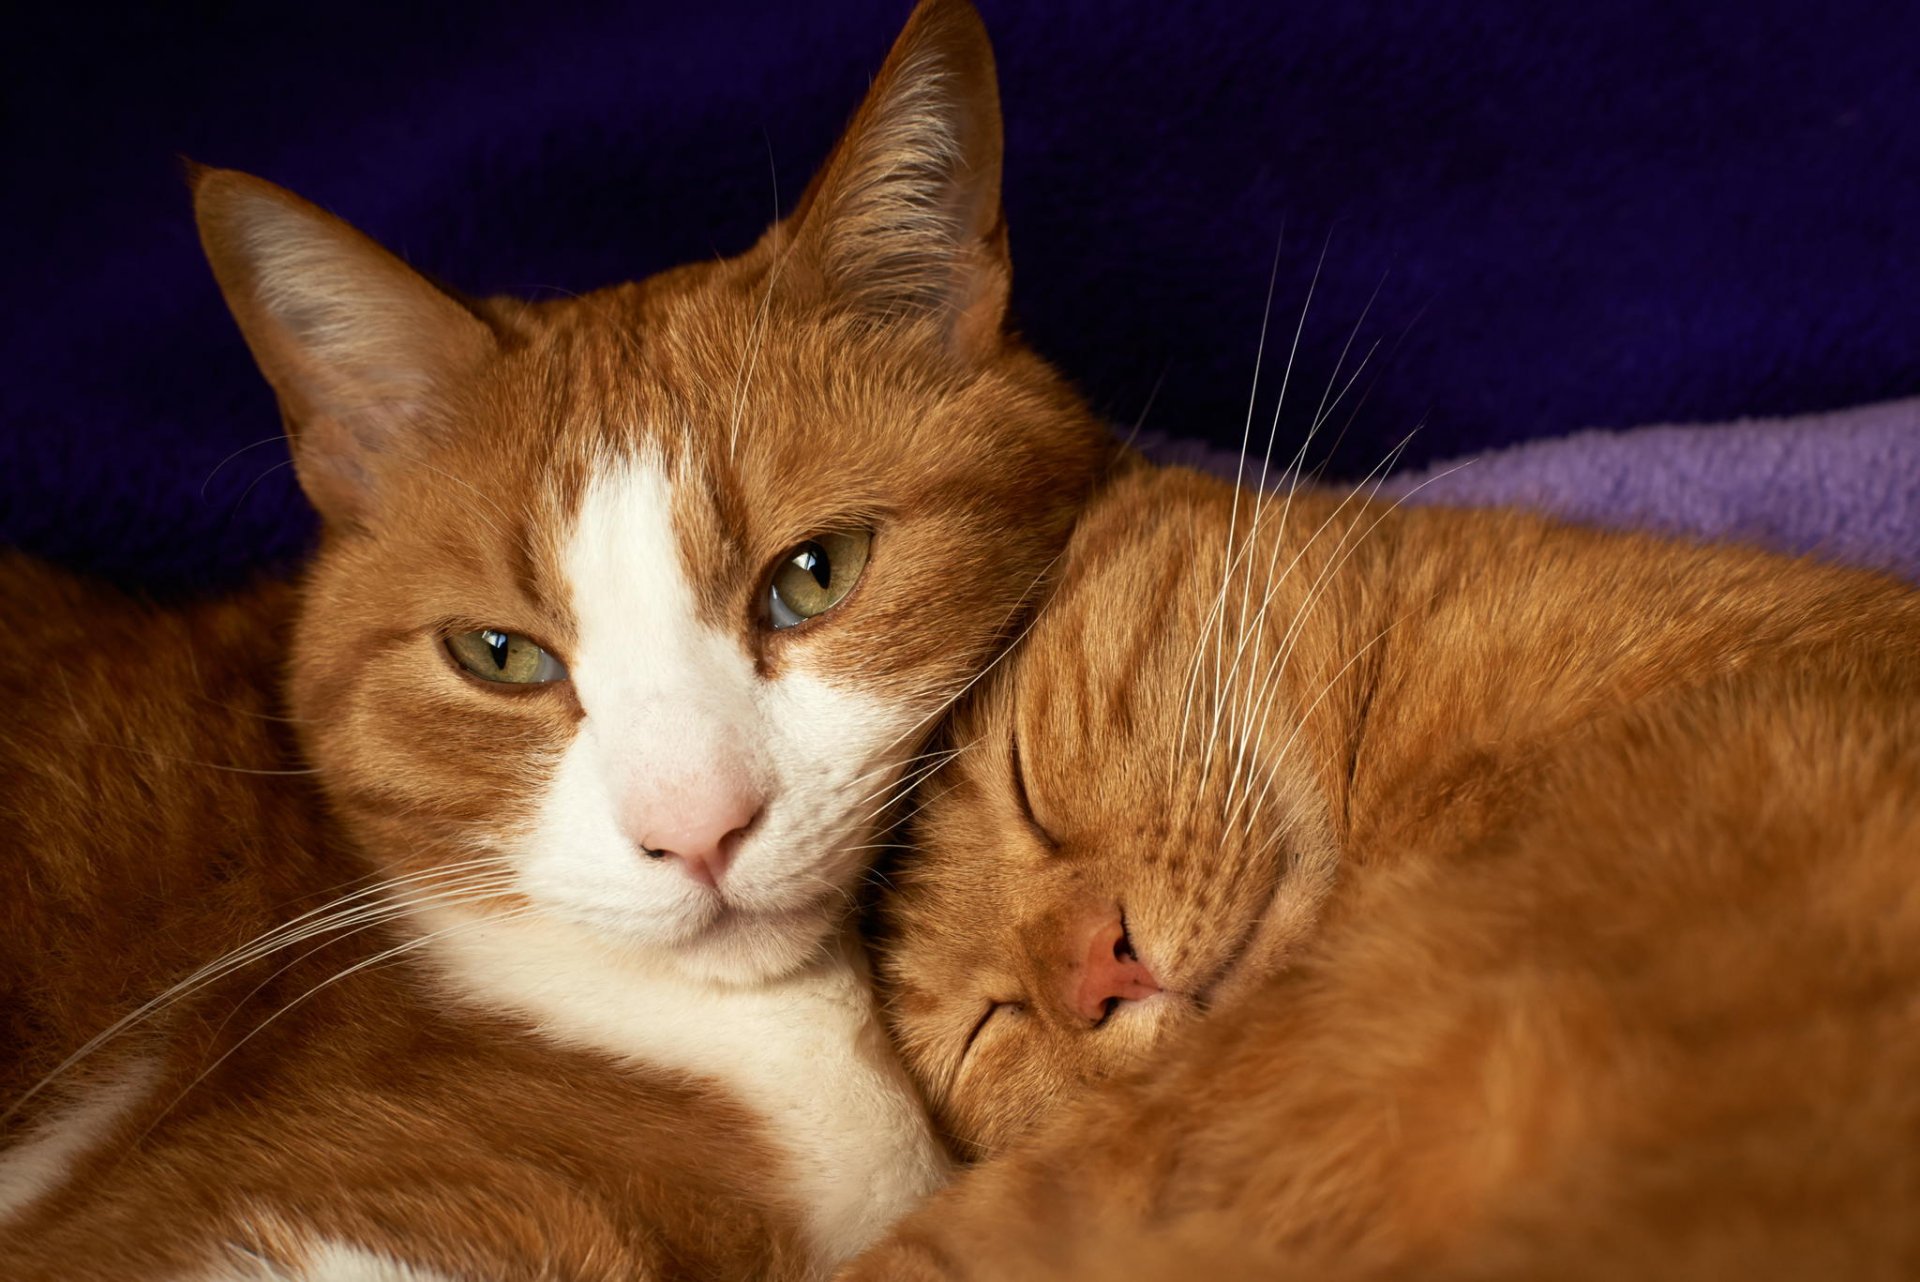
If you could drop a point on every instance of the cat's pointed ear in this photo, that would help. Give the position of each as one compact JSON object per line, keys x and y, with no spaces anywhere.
{"x":904,"y":219}
{"x":361,"y":349}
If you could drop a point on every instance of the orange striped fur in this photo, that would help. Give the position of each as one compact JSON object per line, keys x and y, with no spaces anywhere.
{"x":1528,"y":902}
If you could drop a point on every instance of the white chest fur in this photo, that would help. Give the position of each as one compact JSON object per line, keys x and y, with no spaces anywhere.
{"x":806,"y":1052}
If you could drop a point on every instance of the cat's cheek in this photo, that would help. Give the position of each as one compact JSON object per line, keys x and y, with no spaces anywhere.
{"x":839,"y":755}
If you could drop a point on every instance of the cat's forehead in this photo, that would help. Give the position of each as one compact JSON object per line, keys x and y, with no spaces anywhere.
{"x":735,"y":391}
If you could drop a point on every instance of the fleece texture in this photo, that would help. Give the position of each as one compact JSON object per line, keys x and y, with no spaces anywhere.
{"x":1527,"y":216}
{"x":1841,"y":487}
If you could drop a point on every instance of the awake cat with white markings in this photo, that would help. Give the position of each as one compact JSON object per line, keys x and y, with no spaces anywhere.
{"x":513,"y":942}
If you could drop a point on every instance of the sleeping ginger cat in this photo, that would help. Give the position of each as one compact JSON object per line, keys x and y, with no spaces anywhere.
{"x":1433,"y":894}
{"x":478,"y":908}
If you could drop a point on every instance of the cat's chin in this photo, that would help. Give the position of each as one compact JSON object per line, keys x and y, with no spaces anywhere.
{"x":742,"y":947}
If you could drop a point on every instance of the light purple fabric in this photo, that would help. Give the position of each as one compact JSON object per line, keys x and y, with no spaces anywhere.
{"x":1843,"y":486}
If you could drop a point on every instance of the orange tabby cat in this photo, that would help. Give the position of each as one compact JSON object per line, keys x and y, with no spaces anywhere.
{"x":1436,"y":894}
{"x":511,"y":942}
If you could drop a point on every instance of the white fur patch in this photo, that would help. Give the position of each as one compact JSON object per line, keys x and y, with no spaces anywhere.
{"x":323,"y":1261}
{"x":669,"y":698}
{"x":628,"y":956}
{"x":43,"y":1161}
{"x":805,"y":1051}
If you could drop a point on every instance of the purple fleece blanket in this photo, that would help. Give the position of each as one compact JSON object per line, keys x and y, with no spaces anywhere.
{"x":1547,"y":215}
{"x":1843,"y":487}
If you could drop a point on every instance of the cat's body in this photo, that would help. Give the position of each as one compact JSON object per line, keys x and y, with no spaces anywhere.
{"x":377,"y":1112}
{"x":663,"y":1125}
{"x":480,"y":906}
{"x":1568,"y":926}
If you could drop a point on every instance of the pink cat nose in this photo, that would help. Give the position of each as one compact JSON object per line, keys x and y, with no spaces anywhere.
{"x":701,"y":831}
{"x":1109,"y":972}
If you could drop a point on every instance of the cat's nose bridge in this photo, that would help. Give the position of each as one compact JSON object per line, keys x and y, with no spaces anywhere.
{"x":686,"y":786}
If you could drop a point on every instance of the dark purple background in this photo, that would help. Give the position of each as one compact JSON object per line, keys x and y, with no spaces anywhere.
{"x":1584,"y":214}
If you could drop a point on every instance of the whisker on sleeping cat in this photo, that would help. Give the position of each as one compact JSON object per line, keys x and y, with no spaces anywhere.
{"x":1273,"y":772}
{"x":1256,"y":623}
{"x":1213,"y":624}
{"x":1271,"y":696}
{"x":1261,"y":501}
{"x":1262,"y":691}
{"x":1250,"y":621}
{"x":1321,"y":414}
{"x":1253,"y":623}
{"x":1239,"y":476}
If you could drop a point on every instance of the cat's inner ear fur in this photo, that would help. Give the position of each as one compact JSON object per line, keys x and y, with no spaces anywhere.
{"x":361,"y":349}
{"x":904,"y":220}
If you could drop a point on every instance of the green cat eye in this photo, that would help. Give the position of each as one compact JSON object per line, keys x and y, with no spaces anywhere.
{"x":506,"y":657}
{"x":815,"y":576}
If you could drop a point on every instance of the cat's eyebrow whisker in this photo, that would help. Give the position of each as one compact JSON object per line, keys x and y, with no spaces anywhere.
{"x":1290,"y":644}
{"x":1273,"y":772}
{"x":750,"y":361}
{"x":1296,"y":471}
{"x":1259,"y":688}
{"x":416,"y":461}
{"x":1354,"y":414}
{"x":1249,"y":624}
{"x":1239,"y":475}
{"x":1267,"y":687}
{"x":1152,"y":395}
{"x":1325,"y":409}
{"x":1261,"y":500}
{"x":1252,"y":623}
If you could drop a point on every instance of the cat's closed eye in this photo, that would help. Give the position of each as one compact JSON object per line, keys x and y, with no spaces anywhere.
{"x":997,"y":1008}
{"x":505,"y":658}
{"x":815,"y":576}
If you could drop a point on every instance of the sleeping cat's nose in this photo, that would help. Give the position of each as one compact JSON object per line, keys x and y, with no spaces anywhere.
{"x":700,"y":828}
{"x":1108,"y":973}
